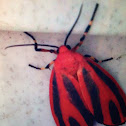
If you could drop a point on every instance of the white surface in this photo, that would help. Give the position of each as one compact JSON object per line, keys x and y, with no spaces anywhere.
{"x":24,"y":92}
{"x":58,"y":16}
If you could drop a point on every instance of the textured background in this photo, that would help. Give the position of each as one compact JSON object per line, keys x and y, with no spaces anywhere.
{"x":24,"y":92}
{"x":59,"y":15}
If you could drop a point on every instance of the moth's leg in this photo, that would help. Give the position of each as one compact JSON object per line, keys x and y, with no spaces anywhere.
{"x":98,"y":61}
{"x":36,"y":45}
{"x":87,"y":29}
{"x":42,"y":68}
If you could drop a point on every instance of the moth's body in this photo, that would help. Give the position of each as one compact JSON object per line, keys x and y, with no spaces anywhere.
{"x":78,"y":91}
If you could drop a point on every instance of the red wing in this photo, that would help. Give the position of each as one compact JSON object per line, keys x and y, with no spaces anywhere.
{"x":102,"y":94}
{"x":66,"y":101}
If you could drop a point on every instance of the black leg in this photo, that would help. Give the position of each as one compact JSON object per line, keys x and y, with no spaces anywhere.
{"x":98,"y":61}
{"x":42,"y":68}
{"x":36,"y":45}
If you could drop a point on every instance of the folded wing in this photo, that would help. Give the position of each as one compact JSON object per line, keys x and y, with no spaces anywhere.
{"x":102,"y":94}
{"x":67,"y":104}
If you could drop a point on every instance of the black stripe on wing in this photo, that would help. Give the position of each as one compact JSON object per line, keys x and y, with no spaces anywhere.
{"x":77,"y":102}
{"x":94,"y":94}
{"x":56,"y":101}
{"x":73,"y":122}
{"x":113,"y":88}
{"x":114,"y":113}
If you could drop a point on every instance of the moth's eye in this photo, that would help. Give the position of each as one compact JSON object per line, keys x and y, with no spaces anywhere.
{"x":68,"y":47}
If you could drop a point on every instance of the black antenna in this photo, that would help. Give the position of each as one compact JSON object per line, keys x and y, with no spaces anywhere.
{"x":31,"y":45}
{"x":73,"y":25}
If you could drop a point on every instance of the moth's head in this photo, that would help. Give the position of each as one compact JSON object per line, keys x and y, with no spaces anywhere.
{"x":63,"y":48}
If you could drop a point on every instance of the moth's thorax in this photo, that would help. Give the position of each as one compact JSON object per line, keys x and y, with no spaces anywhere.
{"x":63,"y":49}
{"x":68,"y":61}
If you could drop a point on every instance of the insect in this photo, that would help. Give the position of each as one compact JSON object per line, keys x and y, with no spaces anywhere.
{"x":81,"y":91}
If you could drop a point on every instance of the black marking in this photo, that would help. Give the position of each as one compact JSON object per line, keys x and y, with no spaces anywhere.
{"x":36,"y":47}
{"x":114,"y":113}
{"x":95,"y":60}
{"x":111,"y":85}
{"x":107,"y":59}
{"x":82,"y":38}
{"x":34,"y":67}
{"x":30,"y":35}
{"x":77,"y":102}
{"x":92,"y":18}
{"x":47,"y":66}
{"x":73,"y":122}
{"x":56,"y":102}
{"x":52,"y":51}
{"x":68,"y":47}
{"x":87,"y":29}
{"x":94,"y":94}
{"x":77,"y":44}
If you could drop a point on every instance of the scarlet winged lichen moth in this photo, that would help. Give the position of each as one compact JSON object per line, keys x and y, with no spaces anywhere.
{"x":81,"y":91}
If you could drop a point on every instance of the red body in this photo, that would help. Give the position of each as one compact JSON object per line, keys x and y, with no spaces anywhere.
{"x":82,"y":92}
